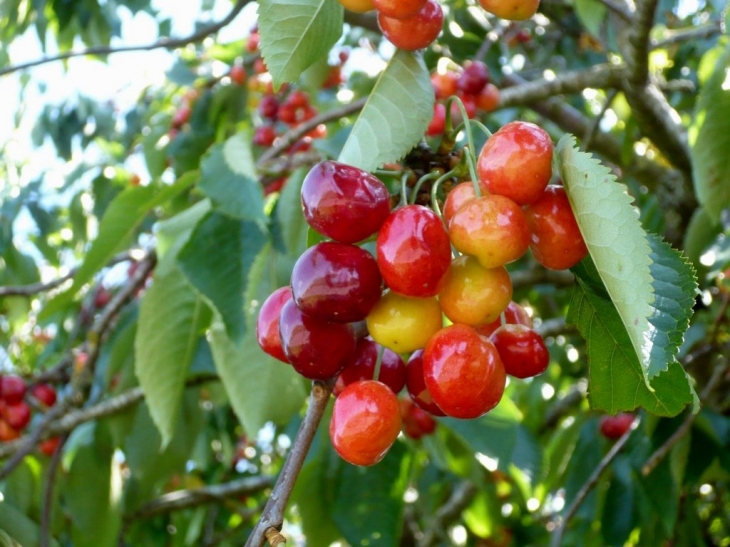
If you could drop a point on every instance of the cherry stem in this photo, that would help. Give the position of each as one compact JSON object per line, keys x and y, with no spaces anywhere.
{"x":378,"y":362}
{"x":403,"y":189}
{"x":471,"y":158}
{"x":482,"y":127}
{"x":388,"y":173}
{"x":429,"y":176}
{"x":434,"y":190}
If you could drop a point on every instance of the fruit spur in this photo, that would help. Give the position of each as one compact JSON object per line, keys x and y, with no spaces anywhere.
{"x":425,"y":325}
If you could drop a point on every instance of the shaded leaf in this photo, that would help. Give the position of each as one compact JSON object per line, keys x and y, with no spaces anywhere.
{"x":297,"y":33}
{"x":395,"y":116}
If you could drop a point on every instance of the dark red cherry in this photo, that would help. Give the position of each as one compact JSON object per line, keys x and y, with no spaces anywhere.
{"x":344,"y":202}
{"x":474,"y":77}
{"x":17,"y":416}
{"x":268,"y":107}
{"x":392,"y":368}
{"x":317,"y":350}
{"x":13,"y":389}
{"x":44,"y":393}
{"x":417,"y":385}
{"x":267,"y":324}
{"x":336,"y":282}
{"x":522,"y":350}
{"x":265,"y":135}
{"x":613,"y":427}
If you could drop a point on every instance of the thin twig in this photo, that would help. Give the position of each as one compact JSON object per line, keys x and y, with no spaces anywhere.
{"x":557,"y":537}
{"x":620,"y":8}
{"x":273,"y":514}
{"x":593,"y":129}
{"x":168,"y":43}
{"x":460,"y":498}
{"x":700,"y":32}
{"x":47,"y":509}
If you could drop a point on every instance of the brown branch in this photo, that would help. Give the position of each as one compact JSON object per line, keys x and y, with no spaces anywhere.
{"x":35,"y":288}
{"x":273,"y":514}
{"x":215,"y":493}
{"x":167,"y":43}
{"x":557,"y":537}
{"x":700,"y":32}
{"x":460,"y":498}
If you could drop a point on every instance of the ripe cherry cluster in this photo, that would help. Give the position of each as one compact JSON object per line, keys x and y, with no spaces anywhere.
{"x":15,"y":412}
{"x":471,"y":85}
{"x":458,"y":370}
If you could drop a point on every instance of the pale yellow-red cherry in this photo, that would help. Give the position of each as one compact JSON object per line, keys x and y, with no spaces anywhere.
{"x":358,"y":6}
{"x":474,"y":295}
{"x":512,"y":10}
{"x":404,"y":323}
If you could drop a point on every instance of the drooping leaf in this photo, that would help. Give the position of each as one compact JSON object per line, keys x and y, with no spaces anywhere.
{"x":24,"y":531}
{"x":675,"y":288}
{"x":172,"y":317}
{"x":217,"y":258}
{"x":711,"y":132}
{"x":591,"y":13}
{"x":173,"y":233}
{"x":616,"y":241}
{"x":290,"y":217}
{"x":259,"y":387}
{"x":395,"y":116}
{"x":228,"y":178}
{"x":297,"y":33}
{"x":617,"y":380}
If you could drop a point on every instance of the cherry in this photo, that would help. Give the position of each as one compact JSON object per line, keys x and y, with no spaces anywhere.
{"x":17,"y":415}
{"x":252,"y":44}
{"x":344,"y":202}
{"x":512,"y":10}
{"x":181,"y":116}
{"x":444,"y":84}
{"x":488,"y":98}
{"x":268,"y":107}
{"x":365,"y":422}
{"x":12,"y":388}
{"x":413,"y":251}
{"x":416,"y":422}
{"x":470,"y":106}
{"x":392,"y":368}
{"x":403,"y":323}
{"x":474,"y":295}
{"x":336,"y":282}
{"x":267,"y":323}
{"x":259,"y":66}
{"x":237,"y":74}
{"x":298,"y":99}
{"x":415,"y":32}
{"x":48,"y":447}
{"x":358,"y":6}
{"x":522,"y":350}
{"x":614,"y":427}
{"x":44,"y":393}
{"x":416,"y":385}
{"x":492,"y":228}
{"x":516,"y":162}
{"x":514,"y":314}
{"x":265,"y":135}
{"x":7,"y":433}
{"x":438,"y":122}
{"x":474,"y":77}
{"x":556,"y":241}
{"x":275,"y":185}
{"x":399,"y":9}
{"x":463,"y":372}
{"x":102,"y":297}
{"x":458,"y":196}
{"x":317,"y":349}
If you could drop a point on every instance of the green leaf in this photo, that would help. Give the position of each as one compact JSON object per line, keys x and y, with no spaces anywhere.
{"x":297,"y":33}
{"x":172,"y":317}
{"x":675,"y":287}
{"x":711,"y":139}
{"x":19,"y":527}
{"x":228,"y":178}
{"x":290,"y":216}
{"x":614,"y":236}
{"x":217,"y":258}
{"x":368,"y":501}
{"x":617,"y":381}
{"x":591,"y":13}
{"x":395,"y":116}
{"x":173,"y":233}
{"x":260,"y":387}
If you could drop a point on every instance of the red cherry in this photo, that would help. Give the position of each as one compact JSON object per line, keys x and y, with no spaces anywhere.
{"x":252,"y":44}
{"x":102,"y":297}
{"x":474,"y":77}
{"x":268,"y":107}
{"x":438,"y":122}
{"x":614,"y":427}
{"x":398,"y":9}
{"x":48,"y":447}
{"x":298,"y":99}
{"x":444,"y":85}
{"x":556,"y":241}
{"x":415,"y":32}
{"x":416,"y":385}
{"x":492,"y":228}
{"x":414,"y":252}
{"x":17,"y":416}
{"x":488,"y":98}
{"x":265,"y":135}
{"x":259,"y":66}
{"x":344,"y":202}
{"x":181,"y":116}
{"x":522,"y":350}
{"x":470,"y":106}
{"x":336,"y":282}
{"x":514,"y":314}
{"x":13,"y":389}
{"x":275,"y":185}
{"x":516,"y":162}
{"x":365,"y":422}
{"x":267,"y":324}
{"x":317,"y":350}
{"x":416,"y":422}
{"x":463,"y":372}
{"x":392,"y":368}
{"x":44,"y":393}
{"x":237,"y":74}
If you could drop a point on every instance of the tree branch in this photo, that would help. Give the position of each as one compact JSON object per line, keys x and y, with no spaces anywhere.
{"x":699,"y":32}
{"x":460,"y":498}
{"x":215,"y":493}
{"x":168,"y":43}
{"x":557,"y":537}
{"x":273,"y":515}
